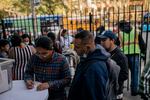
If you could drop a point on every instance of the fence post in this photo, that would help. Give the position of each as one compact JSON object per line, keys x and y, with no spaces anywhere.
{"x":90,"y":21}
{"x":33,"y":19}
{"x":3,"y":29}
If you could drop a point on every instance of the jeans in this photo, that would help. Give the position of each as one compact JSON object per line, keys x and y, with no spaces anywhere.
{"x":134,"y":65}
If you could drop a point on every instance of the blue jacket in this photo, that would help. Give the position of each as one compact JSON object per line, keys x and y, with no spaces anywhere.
{"x":91,"y":77}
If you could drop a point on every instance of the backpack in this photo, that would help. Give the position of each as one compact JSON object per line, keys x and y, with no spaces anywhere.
{"x":72,"y":59}
{"x":112,"y":83}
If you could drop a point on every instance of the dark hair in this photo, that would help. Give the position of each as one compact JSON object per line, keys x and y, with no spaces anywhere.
{"x":52,"y":36}
{"x":15,"y":40}
{"x":85,"y":36}
{"x":44,"y":30}
{"x":3,"y":42}
{"x":25,"y":36}
{"x":44,"y":42}
{"x":56,"y":45}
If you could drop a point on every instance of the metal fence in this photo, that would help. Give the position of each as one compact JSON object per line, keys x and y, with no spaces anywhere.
{"x":139,"y":19}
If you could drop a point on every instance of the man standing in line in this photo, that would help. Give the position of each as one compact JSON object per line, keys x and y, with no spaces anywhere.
{"x":107,"y":40}
{"x":91,"y":74}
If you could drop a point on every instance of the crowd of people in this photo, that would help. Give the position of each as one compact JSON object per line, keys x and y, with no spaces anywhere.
{"x":100,"y":63}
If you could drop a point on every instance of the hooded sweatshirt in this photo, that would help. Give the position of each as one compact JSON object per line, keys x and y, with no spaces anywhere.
{"x":91,"y":77}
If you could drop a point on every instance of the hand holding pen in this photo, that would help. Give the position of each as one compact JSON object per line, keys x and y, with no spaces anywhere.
{"x":29,"y":84}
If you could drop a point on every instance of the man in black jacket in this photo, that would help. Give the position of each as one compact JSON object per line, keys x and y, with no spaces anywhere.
{"x":107,"y":40}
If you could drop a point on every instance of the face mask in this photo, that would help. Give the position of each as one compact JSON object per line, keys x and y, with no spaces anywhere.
{"x":26,"y":43}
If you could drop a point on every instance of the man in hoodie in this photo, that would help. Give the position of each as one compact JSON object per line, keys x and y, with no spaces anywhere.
{"x":107,"y":40}
{"x":91,"y":74}
{"x":130,"y":47}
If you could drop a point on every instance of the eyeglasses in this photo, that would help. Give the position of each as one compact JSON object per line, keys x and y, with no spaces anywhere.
{"x":43,"y":54}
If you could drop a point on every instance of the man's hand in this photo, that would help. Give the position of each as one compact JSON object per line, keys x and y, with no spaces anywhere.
{"x":42,"y":86}
{"x":29,"y":84}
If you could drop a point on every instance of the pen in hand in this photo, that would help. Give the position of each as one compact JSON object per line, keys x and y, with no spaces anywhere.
{"x":30,"y":84}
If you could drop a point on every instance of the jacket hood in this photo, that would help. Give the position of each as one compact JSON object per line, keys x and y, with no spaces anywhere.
{"x":98,"y":54}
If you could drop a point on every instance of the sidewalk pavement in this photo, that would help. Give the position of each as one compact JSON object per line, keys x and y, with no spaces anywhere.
{"x":127,"y":96}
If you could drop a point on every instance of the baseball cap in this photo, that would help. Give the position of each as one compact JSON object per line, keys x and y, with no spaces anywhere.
{"x":108,"y":34}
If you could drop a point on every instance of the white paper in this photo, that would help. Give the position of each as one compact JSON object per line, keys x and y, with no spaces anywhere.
{"x":19,"y":91}
{"x":4,"y":81}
